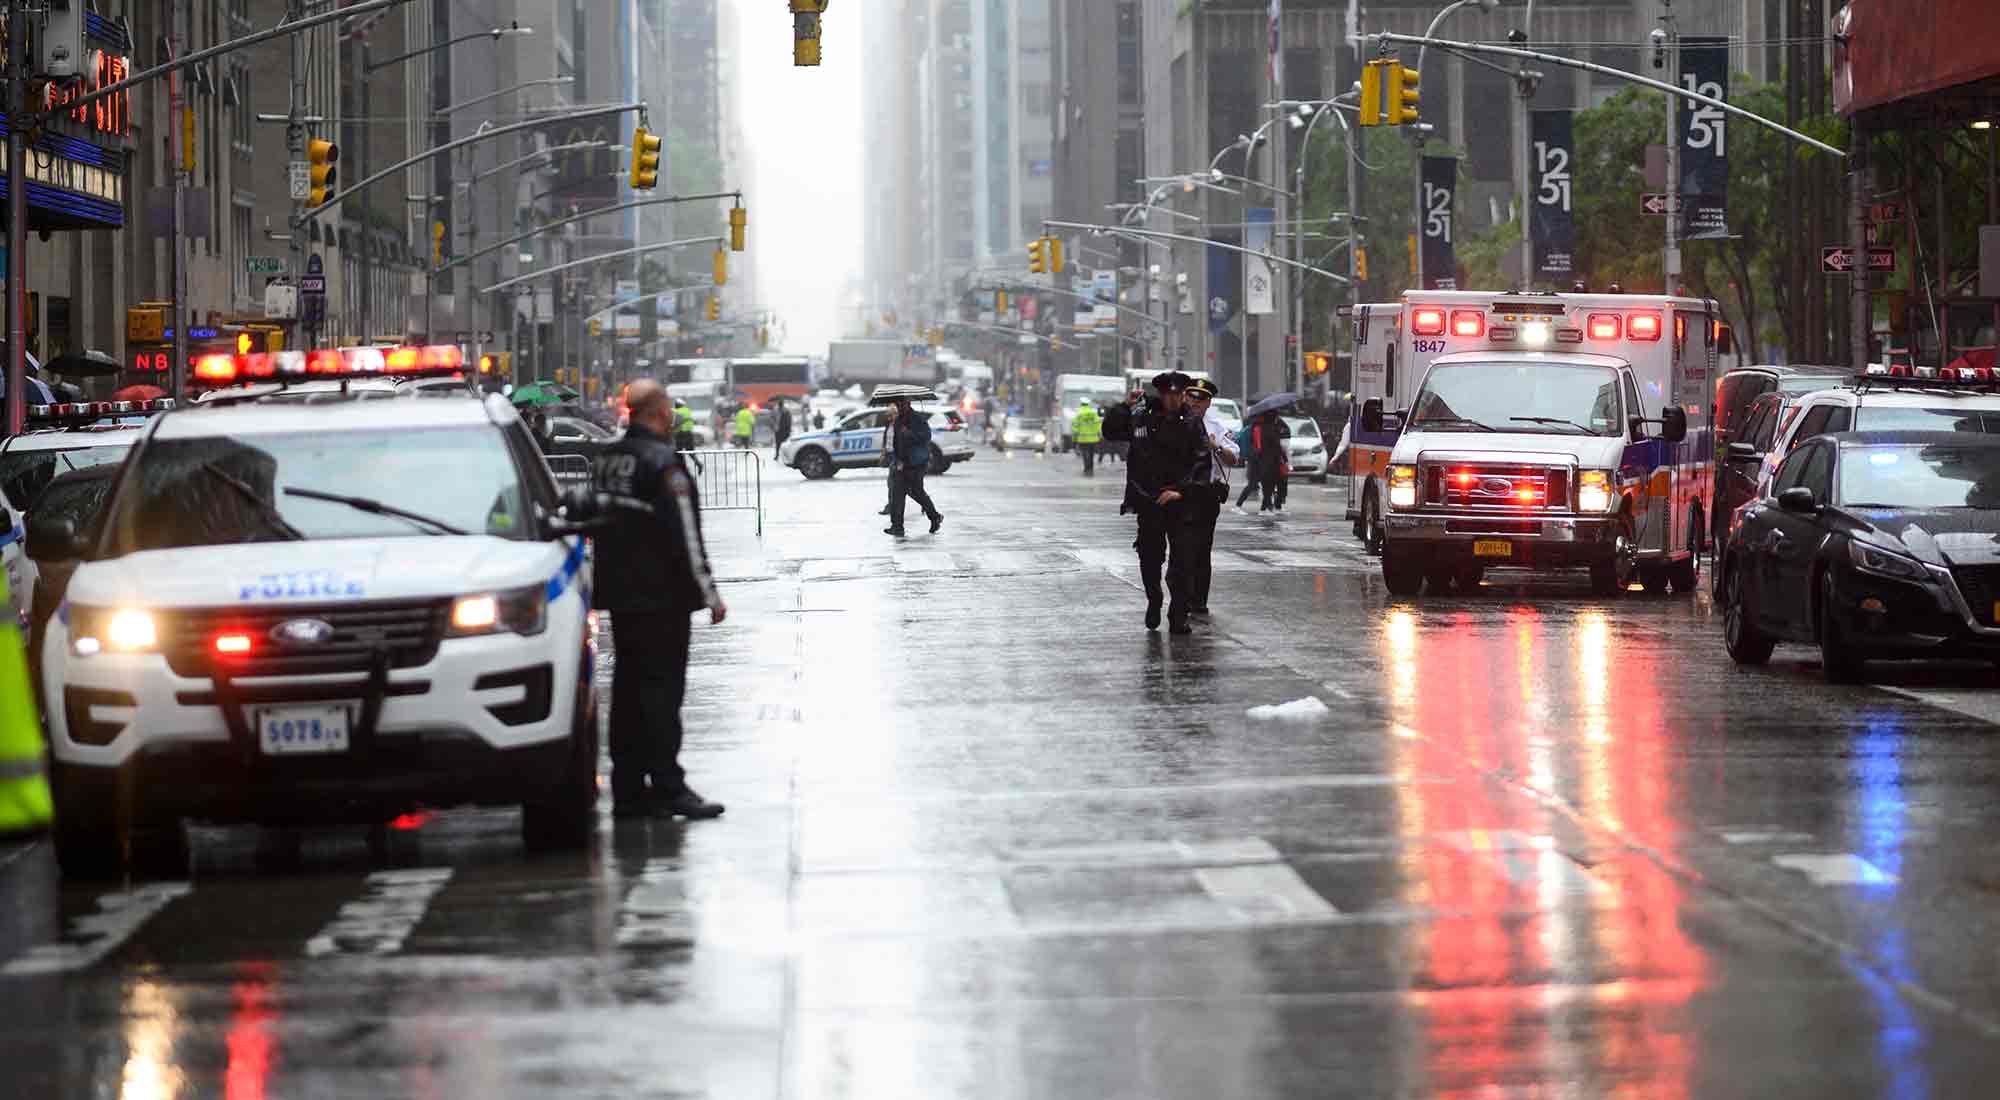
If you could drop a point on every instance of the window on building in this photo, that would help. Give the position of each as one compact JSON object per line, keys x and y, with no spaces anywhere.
{"x":242,"y":116}
{"x":242,"y":238}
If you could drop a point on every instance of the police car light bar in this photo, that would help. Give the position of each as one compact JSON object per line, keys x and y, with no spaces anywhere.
{"x":74,"y":412}
{"x":329,"y":364}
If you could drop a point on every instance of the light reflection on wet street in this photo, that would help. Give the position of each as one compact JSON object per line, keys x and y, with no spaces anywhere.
{"x":988,"y":837}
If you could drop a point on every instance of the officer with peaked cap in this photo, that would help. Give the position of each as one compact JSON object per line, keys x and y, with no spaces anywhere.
{"x":1165,"y":478}
{"x":1207,"y":507}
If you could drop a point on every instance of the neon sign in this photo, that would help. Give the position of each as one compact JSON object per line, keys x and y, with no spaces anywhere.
{"x":111,"y":115}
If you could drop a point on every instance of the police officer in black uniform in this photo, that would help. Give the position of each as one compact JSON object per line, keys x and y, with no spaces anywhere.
{"x":651,"y":574}
{"x":1164,"y":477}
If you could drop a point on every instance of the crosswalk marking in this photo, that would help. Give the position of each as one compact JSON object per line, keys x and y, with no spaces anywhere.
{"x":1845,"y":869}
{"x":379,"y":922}
{"x":1263,"y":892}
{"x":96,"y":935}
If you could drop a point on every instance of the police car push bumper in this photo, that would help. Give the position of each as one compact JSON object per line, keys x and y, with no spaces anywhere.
{"x":131,"y":679}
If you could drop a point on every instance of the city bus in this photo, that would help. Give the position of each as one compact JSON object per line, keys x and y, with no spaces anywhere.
{"x":765,"y":377}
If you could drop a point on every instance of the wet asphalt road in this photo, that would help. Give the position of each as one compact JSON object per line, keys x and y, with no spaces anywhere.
{"x":988,"y":837}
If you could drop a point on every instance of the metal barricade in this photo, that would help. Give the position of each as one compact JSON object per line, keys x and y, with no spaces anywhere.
{"x":729,"y":481}
{"x":570,"y":471}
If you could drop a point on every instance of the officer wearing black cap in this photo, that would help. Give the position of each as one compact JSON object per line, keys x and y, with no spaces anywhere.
{"x":1165,"y":477}
{"x":1206,"y":508}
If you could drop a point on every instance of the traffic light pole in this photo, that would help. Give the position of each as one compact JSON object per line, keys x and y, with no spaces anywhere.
{"x":183,"y":141}
{"x":295,"y":153}
{"x":599,"y":258}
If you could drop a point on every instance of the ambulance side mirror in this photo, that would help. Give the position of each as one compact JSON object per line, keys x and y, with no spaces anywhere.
{"x":1674,"y":424}
{"x":1371,"y":415}
{"x":53,"y":540}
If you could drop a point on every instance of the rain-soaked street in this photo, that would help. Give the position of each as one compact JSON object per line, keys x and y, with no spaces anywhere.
{"x":989,"y":837}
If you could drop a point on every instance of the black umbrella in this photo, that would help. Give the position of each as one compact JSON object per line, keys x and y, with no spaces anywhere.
{"x":83,"y":364}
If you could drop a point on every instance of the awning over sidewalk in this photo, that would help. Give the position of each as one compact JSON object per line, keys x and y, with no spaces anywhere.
{"x":1937,"y":57}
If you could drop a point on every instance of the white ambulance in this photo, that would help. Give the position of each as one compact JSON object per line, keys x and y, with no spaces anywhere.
{"x":1534,"y":430}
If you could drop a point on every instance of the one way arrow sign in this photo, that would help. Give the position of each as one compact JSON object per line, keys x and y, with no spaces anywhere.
{"x":1653,"y":203}
{"x":1836,"y":260}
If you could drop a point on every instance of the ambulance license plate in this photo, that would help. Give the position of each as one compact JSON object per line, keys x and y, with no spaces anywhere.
{"x":291,"y":731}
{"x":1492,"y":548}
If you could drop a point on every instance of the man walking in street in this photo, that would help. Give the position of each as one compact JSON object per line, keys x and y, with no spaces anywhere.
{"x":909,"y":436}
{"x":1270,"y":459}
{"x":651,"y":573}
{"x":1166,"y":471}
{"x":1088,"y":428}
{"x":781,"y":426}
{"x":1206,"y":508}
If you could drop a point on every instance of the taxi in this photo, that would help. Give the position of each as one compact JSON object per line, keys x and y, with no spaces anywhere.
{"x":338,"y":612}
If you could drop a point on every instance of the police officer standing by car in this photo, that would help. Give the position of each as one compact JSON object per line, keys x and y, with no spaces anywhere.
{"x":651,"y":575}
{"x":1206,"y":508}
{"x":1164,"y":477}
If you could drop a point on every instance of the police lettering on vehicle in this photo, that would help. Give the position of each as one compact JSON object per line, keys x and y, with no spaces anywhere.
{"x":292,"y":586}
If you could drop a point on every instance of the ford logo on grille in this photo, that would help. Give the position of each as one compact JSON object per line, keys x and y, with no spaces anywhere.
{"x":302,"y":632}
{"x":1497,"y":487}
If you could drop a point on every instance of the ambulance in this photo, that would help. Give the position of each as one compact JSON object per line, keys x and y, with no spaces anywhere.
{"x":1534,"y":430}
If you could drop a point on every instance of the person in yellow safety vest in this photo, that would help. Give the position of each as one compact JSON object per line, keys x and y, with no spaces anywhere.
{"x":746,"y":426}
{"x":1088,"y":428}
{"x":683,"y":426}
{"x":25,"y":806}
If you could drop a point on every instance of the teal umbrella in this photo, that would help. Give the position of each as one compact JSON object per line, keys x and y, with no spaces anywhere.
{"x":543,"y":393}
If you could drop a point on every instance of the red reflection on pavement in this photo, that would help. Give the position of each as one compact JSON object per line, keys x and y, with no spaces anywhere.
{"x":252,"y":1050}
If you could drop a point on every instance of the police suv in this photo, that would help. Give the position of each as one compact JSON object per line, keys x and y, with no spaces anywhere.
{"x":335,"y":612}
{"x":856,"y":441}
{"x":1532,"y":430}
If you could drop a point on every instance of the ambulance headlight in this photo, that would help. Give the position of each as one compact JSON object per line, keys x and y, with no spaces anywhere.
{"x":1402,"y":486}
{"x":523,"y":610}
{"x":1593,"y":491}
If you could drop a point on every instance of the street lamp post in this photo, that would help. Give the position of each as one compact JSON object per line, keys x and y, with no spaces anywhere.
{"x":1417,"y":134}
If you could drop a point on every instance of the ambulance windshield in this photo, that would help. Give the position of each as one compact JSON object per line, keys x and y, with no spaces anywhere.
{"x":1551,"y":397}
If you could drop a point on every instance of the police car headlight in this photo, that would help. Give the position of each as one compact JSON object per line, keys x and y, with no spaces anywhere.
{"x":523,"y":610}
{"x":95,"y":630}
{"x":1593,"y":491}
{"x":1402,"y":486}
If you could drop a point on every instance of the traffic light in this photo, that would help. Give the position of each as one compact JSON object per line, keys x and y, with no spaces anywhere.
{"x":1056,"y":255}
{"x":721,"y":267}
{"x":322,"y":158}
{"x":1361,"y":263}
{"x":1318,"y":363}
{"x":596,"y":326}
{"x":1000,"y":301}
{"x":714,"y":308}
{"x":245,"y":343}
{"x":805,"y":31}
{"x":1038,"y":255}
{"x":497,"y":364}
{"x":437,"y":244}
{"x":1371,"y":92}
{"x":739,"y":222}
{"x":645,"y":159}
{"x":1400,"y":92}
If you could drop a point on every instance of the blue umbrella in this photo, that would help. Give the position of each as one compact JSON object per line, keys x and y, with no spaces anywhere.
{"x":38,"y":391}
{"x":1270,"y":404}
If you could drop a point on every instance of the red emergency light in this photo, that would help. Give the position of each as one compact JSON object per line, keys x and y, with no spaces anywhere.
{"x":324,"y":361}
{"x":1606,"y":326}
{"x":1468,"y":322}
{"x":1643,"y":325}
{"x":1427,"y":321}
{"x":233,"y":644}
{"x":215,"y":368}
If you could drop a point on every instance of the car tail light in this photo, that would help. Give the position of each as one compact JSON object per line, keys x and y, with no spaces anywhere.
{"x":1468,"y":322}
{"x":1643,"y":326}
{"x":1427,"y":322}
{"x":1605,"y":326}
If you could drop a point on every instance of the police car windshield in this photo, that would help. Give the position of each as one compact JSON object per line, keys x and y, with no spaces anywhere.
{"x":1556,"y":398}
{"x":1920,"y":477}
{"x":255,"y":488}
{"x":24,"y":474}
{"x":1891,"y":418}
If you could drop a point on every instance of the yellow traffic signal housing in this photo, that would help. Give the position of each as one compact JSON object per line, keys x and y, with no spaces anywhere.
{"x":1360,"y":263}
{"x":646,"y":148}
{"x":714,"y":308}
{"x":437,"y":243}
{"x":1038,"y":255}
{"x":497,"y":363}
{"x":145,"y":326}
{"x":323,"y":158}
{"x":1401,"y":95}
{"x":805,"y":31}
{"x":1318,"y":363}
{"x":721,"y":267}
{"x":1000,"y":301}
{"x":1056,"y":255}
{"x":1371,"y":92}
{"x":739,"y":222}
{"x":596,"y":326}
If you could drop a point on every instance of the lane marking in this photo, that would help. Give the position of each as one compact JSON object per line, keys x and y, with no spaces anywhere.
{"x":846,"y":796}
{"x":1845,"y":869}
{"x":1765,"y":835}
{"x":924,"y":561}
{"x":95,"y":935}
{"x":379,"y":922}
{"x":1171,"y":853}
{"x":1263,"y":893}
{"x":1983,"y":705}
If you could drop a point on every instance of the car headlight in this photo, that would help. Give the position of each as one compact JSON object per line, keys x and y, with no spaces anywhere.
{"x":1317,"y":449}
{"x":523,"y":610}
{"x":1402,"y":486}
{"x":1881,"y":562}
{"x":94,"y":630}
{"x":1593,"y":491}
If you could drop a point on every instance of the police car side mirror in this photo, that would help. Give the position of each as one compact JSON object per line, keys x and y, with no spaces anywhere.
{"x":1371,"y":415}
{"x":53,"y":540}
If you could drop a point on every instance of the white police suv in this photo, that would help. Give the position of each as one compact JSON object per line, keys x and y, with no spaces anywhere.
{"x":336,"y":612}
{"x":856,"y":441}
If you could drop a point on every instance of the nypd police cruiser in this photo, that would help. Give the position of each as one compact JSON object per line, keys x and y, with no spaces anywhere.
{"x":856,"y":441}
{"x":299,"y":614}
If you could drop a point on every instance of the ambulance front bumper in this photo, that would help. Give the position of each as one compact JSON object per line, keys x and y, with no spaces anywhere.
{"x":1552,"y":541}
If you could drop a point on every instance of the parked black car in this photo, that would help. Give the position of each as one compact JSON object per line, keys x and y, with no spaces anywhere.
{"x":1739,"y":452}
{"x":78,"y":497}
{"x":1873,"y":545}
{"x":1738,"y":389}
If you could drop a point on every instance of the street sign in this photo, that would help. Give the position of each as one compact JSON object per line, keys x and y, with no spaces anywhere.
{"x":300,"y":177}
{"x":312,"y":284}
{"x":1660,"y":204}
{"x":265,"y":265}
{"x":1872,"y":232}
{"x":1885,"y":212}
{"x":1836,"y":260}
{"x":470,"y":336}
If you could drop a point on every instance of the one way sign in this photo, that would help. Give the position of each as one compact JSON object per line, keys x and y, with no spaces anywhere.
{"x":1836,"y":260}
{"x":1657,"y":203}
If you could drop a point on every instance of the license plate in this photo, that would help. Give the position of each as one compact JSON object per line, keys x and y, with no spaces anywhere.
{"x":1492,"y":548}
{"x":288,"y":731}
